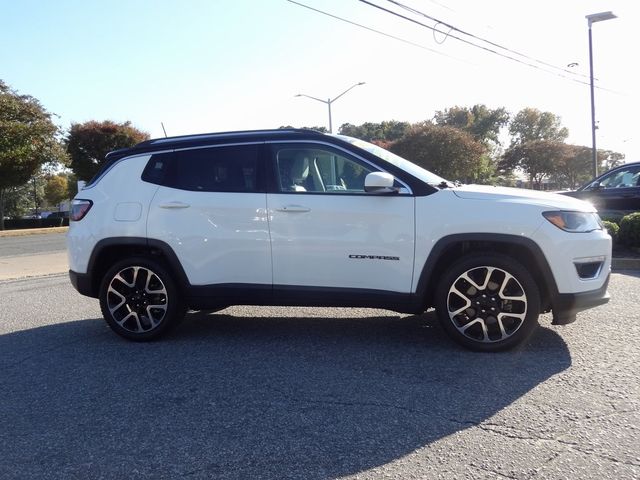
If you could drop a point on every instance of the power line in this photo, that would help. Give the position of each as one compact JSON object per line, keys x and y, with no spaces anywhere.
{"x":452,"y":27}
{"x":409,"y":42}
{"x":423,"y":47}
{"x":471,"y":43}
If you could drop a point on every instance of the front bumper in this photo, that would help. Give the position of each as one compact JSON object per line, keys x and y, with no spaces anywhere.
{"x":567,"y":305}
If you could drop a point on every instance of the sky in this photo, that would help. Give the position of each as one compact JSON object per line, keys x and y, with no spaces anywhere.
{"x":219,"y":65}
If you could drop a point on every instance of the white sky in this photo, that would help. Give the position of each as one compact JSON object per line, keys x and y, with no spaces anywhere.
{"x":201,"y":66}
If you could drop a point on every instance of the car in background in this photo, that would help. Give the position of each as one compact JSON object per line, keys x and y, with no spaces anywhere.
{"x":617,"y":189}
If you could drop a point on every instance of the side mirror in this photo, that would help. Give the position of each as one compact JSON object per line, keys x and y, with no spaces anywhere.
{"x":379,"y":182}
{"x":595,"y":186}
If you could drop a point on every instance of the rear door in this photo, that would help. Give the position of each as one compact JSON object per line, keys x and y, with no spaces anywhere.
{"x":211,"y":210}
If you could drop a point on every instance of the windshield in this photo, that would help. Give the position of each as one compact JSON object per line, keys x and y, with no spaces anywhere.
{"x":411,"y":168}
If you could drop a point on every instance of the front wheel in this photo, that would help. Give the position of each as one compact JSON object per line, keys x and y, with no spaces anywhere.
{"x":139,"y":299}
{"x":488,"y":302}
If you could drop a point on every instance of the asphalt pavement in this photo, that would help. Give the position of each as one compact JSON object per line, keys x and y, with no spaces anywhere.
{"x":32,"y":244}
{"x":312,"y":394}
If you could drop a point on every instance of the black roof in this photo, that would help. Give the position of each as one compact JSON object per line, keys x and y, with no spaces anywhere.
{"x":203,"y":139}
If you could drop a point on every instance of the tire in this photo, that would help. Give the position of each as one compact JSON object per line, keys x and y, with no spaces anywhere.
{"x":488,"y":302}
{"x":128,"y":294}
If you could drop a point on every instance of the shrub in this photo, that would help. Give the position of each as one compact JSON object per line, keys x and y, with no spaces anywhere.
{"x":612,"y":229}
{"x":629,"y":233}
{"x":611,"y":217}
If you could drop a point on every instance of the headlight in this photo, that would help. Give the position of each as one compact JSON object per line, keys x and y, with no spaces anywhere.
{"x":576,"y":222}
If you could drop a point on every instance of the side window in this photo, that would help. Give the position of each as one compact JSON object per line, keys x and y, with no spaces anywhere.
{"x":318,"y":171}
{"x":215,"y":169}
{"x":156,"y":168}
{"x":623,"y":178}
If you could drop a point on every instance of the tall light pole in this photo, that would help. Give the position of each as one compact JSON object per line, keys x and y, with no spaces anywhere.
{"x":329,"y":101}
{"x":591,"y":19}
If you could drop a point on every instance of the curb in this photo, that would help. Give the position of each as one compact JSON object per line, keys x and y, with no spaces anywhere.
{"x":32,"y":231}
{"x":621,"y":263}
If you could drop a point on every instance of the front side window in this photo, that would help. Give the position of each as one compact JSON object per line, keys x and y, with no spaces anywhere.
{"x":304,"y":169}
{"x":626,"y":177}
{"x":217,"y":169}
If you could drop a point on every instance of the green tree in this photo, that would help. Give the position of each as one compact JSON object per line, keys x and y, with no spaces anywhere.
{"x":56,"y":189}
{"x":531,"y":124}
{"x":445,"y":150}
{"x":480,"y":121}
{"x":316,"y":128}
{"x":539,"y":159}
{"x":608,"y":159}
{"x":88,"y":143}
{"x":387,"y":131}
{"x":28,"y":140}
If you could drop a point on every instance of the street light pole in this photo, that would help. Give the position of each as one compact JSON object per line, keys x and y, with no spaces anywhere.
{"x":591,"y":19}
{"x":329,"y":101}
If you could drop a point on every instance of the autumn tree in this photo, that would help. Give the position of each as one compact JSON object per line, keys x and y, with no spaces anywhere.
{"x":88,"y":143}
{"x":28,"y":139}
{"x":531,"y":124}
{"x":539,"y":159}
{"x":446,"y":151}
{"x":56,"y":189}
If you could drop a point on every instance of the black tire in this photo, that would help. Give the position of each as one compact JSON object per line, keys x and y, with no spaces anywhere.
{"x":128,"y":293}
{"x":499,"y":315}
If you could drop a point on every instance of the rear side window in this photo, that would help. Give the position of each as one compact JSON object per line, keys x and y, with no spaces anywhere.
{"x":215,"y":169}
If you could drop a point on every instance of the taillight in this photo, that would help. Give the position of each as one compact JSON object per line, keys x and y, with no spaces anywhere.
{"x":79,"y":209}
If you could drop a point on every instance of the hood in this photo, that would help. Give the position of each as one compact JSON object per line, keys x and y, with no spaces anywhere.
{"x":521,"y":195}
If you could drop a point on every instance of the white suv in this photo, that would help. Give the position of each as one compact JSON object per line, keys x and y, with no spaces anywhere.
{"x":296,"y":217}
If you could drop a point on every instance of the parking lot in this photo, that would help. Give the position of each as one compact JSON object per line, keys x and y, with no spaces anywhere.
{"x":312,"y":393}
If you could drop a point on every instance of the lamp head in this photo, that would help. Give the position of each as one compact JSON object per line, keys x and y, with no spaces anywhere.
{"x":600,"y":17}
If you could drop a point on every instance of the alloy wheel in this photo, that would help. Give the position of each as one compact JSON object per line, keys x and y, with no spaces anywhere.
{"x":487,"y":304}
{"x":137,"y":299}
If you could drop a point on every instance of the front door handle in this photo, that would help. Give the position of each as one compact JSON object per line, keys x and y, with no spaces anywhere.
{"x":293,"y":208}
{"x":174,"y":205}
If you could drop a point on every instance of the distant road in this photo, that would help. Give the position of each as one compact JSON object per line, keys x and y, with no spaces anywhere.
{"x":32,"y":244}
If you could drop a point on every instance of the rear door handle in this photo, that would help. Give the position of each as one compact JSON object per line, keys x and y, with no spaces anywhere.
{"x":174,"y":205}
{"x":293,"y":208}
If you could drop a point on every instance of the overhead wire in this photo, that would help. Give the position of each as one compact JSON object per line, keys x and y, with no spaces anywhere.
{"x":509,"y":57}
{"x":489,"y":42}
{"x":424,"y":47}
{"x":409,"y":42}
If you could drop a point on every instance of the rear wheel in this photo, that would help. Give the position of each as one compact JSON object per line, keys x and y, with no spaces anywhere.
{"x":139,"y":299}
{"x":488,"y":302}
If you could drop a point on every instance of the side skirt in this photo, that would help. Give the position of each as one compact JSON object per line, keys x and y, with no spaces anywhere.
{"x":214,"y":296}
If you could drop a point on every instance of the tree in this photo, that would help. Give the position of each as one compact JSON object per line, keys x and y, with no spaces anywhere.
{"x":537,"y":158}
{"x":28,"y":139}
{"x":387,"y":131}
{"x":444,"y":150}
{"x":56,"y":189}
{"x":88,"y":143}
{"x":531,"y":124}
{"x":480,"y":121}
{"x":608,"y":159}
{"x":316,"y":128}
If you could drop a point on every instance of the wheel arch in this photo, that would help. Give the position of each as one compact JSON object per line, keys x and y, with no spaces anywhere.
{"x":524,"y":250}
{"x":110,"y":250}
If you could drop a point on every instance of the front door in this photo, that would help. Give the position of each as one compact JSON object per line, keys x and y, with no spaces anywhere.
{"x":326,"y":231}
